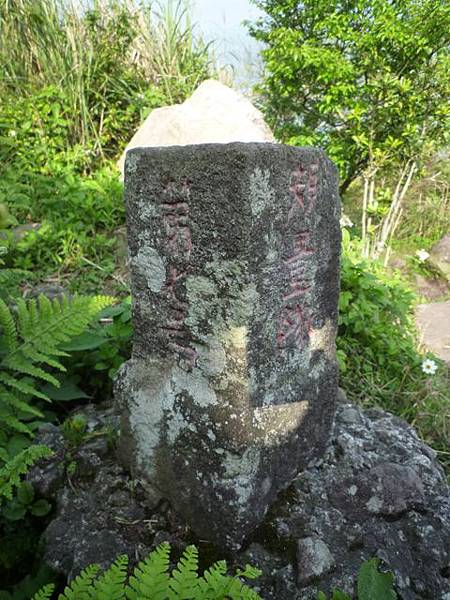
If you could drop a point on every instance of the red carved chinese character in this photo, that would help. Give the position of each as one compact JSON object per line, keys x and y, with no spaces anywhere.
{"x":295,"y":325}
{"x":185,"y":351}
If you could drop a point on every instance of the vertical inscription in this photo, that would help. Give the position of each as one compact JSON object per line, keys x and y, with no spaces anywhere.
{"x":175,"y":220}
{"x":295,"y":321}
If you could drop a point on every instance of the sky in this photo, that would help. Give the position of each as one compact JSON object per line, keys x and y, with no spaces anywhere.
{"x":221,"y":21}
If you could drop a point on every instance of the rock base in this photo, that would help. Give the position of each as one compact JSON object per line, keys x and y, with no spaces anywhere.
{"x":377,"y":491}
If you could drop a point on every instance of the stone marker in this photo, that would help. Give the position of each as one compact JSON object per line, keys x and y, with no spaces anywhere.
{"x":232,"y":385}
{"x":215,"y":113}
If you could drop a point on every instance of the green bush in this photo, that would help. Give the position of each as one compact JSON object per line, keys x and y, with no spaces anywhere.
{"x":93,"y":71}
{"x":376,"y":335}
{"x":76,"y":219}
{"x":377,"y":348}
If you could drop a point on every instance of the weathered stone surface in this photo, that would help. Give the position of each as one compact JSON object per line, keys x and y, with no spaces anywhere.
{"x":232,"y":385}
{"x":47,"y":476}
{"x":100,"y":514}
{"x":431,"y":289}
{"x":440,"y":256}
{"x":314,"y":560}
{"x":377,"y":491}
{"x":433,"y":323}
{"x":214,"y":113}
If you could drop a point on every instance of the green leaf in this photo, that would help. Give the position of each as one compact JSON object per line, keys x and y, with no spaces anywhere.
{"x":16,"y":444}
{"x":41,"y":508}
{"x":85,"y":341}
{"x":14,"y":511}
{"x":66,"y":392}
{"x":372,"y":584}
{"x":25,"y":493}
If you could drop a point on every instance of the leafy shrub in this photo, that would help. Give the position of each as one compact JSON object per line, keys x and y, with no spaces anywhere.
{"x":377,"y":348}
{"x":31,"y":336}
{"x":151,"y":579}
{"x":102,"y":65}
{"x":76,"y":218}
{"x":376,"y":335}
{"x":97,"y":354}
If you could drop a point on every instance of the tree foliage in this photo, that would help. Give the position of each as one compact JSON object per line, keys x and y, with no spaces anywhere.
{"x":365,"y":79}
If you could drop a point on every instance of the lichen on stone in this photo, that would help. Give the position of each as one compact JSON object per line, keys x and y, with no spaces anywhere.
{"x":221,"y":299}
{"x":262,"y":194}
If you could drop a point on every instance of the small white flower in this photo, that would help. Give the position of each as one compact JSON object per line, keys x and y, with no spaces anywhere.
{"x":429,"y":367}
{"x":345,"y":221}
{"x":422,"y":255}
{"x":12,"y":133}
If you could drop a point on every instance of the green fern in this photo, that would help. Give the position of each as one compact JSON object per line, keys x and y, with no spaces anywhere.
{"x":45,"y":593}
{"x":111,"y":584}
{"x":151,"y":581}
{"x":14,"y":468}
{"x":82,"y":587}
{"x":217,"y":584}
{"x":183,"y":582}
{"x":30,"y":346}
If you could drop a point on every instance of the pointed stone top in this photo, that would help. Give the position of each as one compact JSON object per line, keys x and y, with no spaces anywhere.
{"x":215,"y":113}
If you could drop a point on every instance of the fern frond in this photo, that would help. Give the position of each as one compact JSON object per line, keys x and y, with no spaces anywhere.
{"x":237,"y":590}
{"x":150,"y":580}
{"x":216,"y":584}
{"x":214,"y":581}
{"x":19,"y":384}
{"x":11,"y":472}
{"x":8,"y":326}
{"x":18,"y":404}
{"x":32,"y":341}
{"x":20,"y":364}
{"x":183,"y":581}
{"x":38,"y":356}
{"x":10,"y":421}
{"x":44,"y":593}
{"x":111,"y":584}
{"x":81,"y":587}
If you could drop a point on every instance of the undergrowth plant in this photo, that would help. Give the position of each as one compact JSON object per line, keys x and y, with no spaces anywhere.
{"x":108,"y":60}
{"x":30,"y":341}
{"x":378,"y":348}
{"x":152,"y":580}
{"x":371,"y":585}
{"x":75,"y":218}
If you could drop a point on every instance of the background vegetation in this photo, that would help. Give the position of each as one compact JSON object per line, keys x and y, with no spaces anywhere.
{"x":367,"y":80}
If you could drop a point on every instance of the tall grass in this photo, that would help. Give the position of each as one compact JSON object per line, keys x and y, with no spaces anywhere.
{"x":108,"y":56}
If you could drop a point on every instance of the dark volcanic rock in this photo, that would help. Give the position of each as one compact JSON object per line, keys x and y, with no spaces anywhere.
{"x":377,"y":492}
{"x":99,"y":513}
{"x":234,"y":253}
